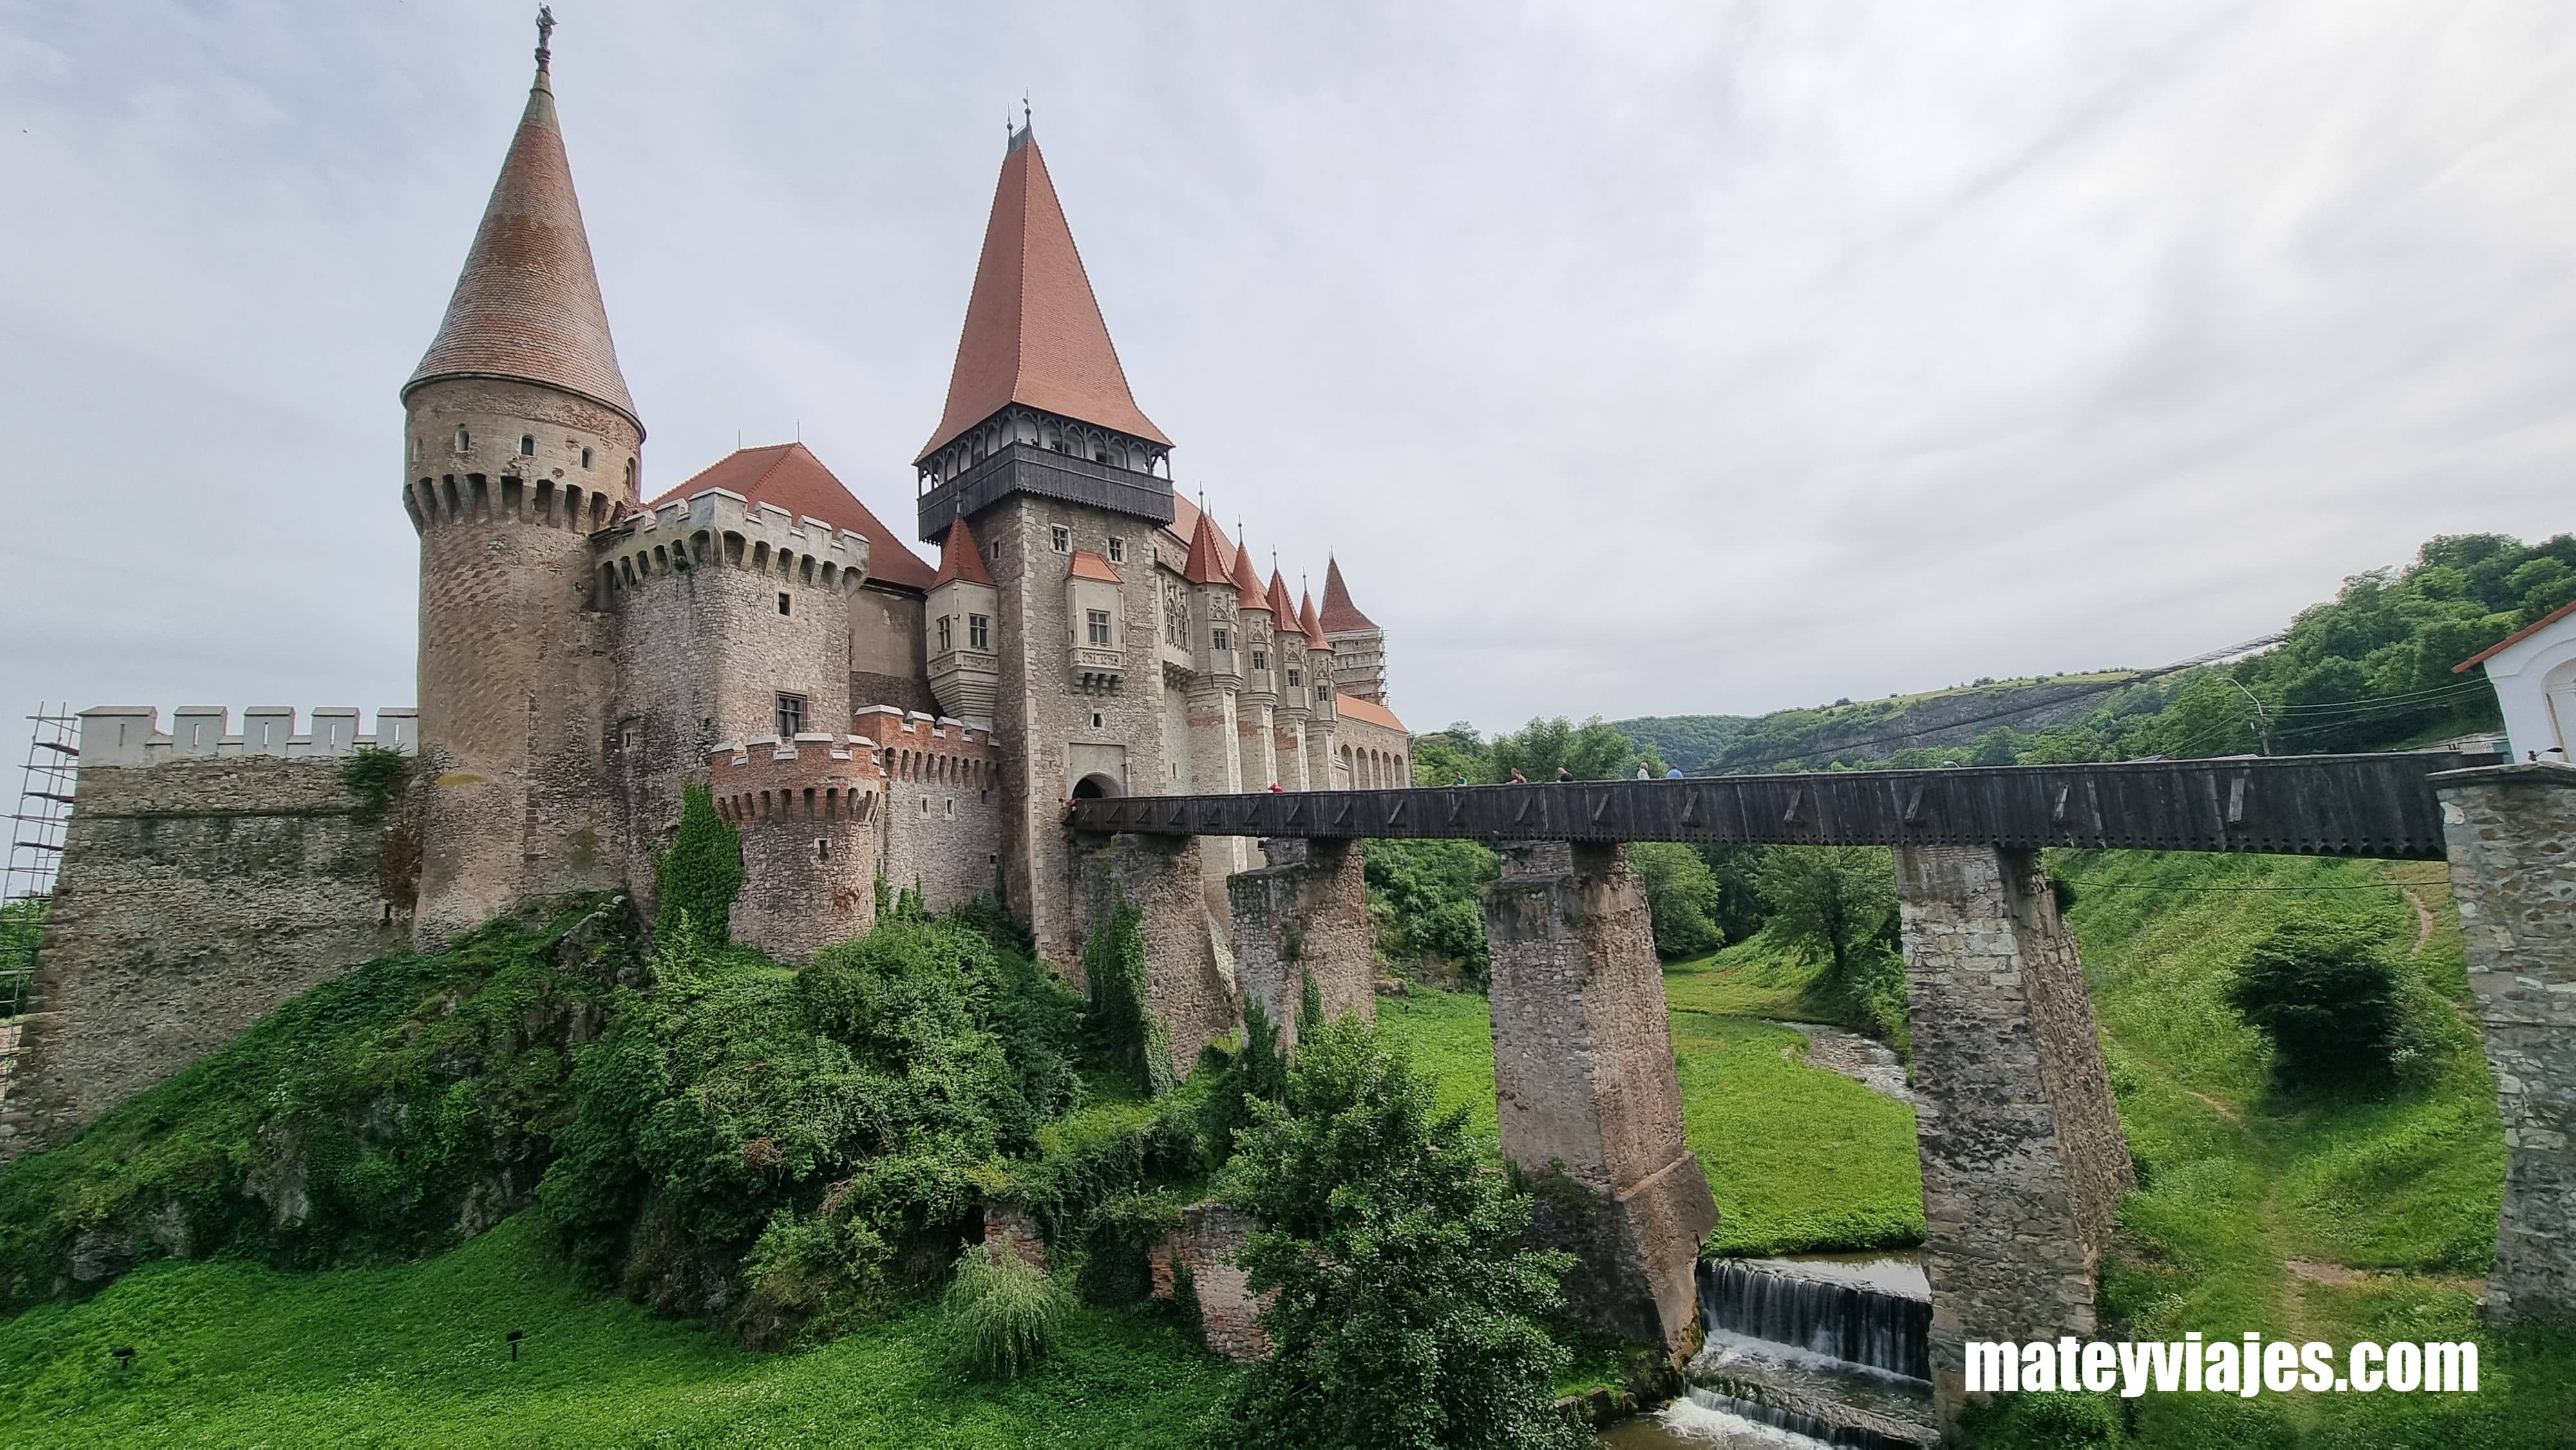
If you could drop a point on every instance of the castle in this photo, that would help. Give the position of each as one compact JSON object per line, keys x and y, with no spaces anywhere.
{"x":588,"y":650}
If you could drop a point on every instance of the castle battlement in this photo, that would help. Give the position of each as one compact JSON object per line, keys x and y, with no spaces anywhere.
{"x":810,"y":777}
{"x":928,"y":747}
{"x":132,"y":734}
{"x":720,"y":527}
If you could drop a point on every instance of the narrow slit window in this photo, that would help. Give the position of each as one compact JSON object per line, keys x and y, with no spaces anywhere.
{"x":783,"y":607}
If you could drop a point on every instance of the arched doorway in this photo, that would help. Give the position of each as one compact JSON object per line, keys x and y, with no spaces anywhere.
{"x":1095,"y":785}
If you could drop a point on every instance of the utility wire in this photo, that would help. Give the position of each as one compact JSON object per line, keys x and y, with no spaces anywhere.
{"x":2080,"y":693}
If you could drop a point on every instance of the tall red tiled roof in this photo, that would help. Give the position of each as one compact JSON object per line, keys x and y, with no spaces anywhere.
{"x":1306,"y":622}
{"x":960,"y":559}
{"x":1280,"y":609}
{"x":1247,"y":584}
{"x":790,"y":476}
{"x":1088,"y":565}
{"x":1185,"y":526}
{"x":1340,"y":615}
{"x":527,"y":304}
{"x":1034,"y":333}
{"x":1207,"y":560}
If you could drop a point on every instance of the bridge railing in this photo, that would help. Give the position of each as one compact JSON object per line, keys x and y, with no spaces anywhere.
{"x":2311,"y":805}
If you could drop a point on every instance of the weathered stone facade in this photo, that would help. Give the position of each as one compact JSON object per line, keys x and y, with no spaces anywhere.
{"x":942,"y":833}
{"x":1190,"y":982}
{"x":2512,"y":837}
{"x":1305,"y":914}
{"x":2024,"y":1163}
{"x":1229,"y":1313}
{"x":806,"y":810}
{"x":1586,"y":1090}
{"x":196,"y":895}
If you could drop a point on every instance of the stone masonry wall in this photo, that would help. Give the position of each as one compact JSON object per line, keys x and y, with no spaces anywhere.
{"x":1306,"y":912}
{"x":2512,"y":837}
{"x":1586,"y":1090}
{"x":1210,"y":1236}
{"x":1190,"y":981}
{"x":942,"y":831}
{"x":195,"y":896}
{"x":2024,"y":1163}
{"x":807,"y":812}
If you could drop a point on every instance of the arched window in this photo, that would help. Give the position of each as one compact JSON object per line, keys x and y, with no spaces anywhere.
{"x":463,"y":440}
{"x":585,"y":458}
{"x":527,"y":445}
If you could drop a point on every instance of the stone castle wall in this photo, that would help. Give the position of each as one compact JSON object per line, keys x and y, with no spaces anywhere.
{"x":1305,"y":914}
{"x":807,"y":810}
{"x":197,"y":894}
{"x":942,"y":830}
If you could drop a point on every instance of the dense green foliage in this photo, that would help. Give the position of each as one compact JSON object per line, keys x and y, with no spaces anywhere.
{"x":232,"y":1352}
{"x":2325,"y":993}
{"x":1682,"y":898}
{"x":22,"y":930}
{"x":1838,"y":903}
{"x":1427,"y":901}
{"x":375,"y":775}
{"x":1004,"y":1314}
{"x":376,"y":1117}
{"x":798,"y":1147}
{"x":699,"y":875}
{"x":1121,"y":1019}
{"x":1401,"y":1320}
{"x":1592,"y":750}
{"x":1688,"y":741}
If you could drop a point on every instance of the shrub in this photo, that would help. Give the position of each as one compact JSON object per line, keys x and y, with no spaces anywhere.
{"x":1114,"y":965}
{"x":375,"y":775}
{"x":2047,"y":1420}
{"x":1003,"y":1314}
{"x":700,"y":874}
{"x":1402,"y":1317}
{"x":2327,"y":995}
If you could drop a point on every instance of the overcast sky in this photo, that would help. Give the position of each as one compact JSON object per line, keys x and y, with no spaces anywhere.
{"x":1703,"y":358}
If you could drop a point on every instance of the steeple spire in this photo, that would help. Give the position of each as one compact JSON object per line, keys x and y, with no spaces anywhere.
{"x":1247,"y":581}
{"x":1340,"y":615}
{"x":1033,"y":333}
{"x":527,"y":305}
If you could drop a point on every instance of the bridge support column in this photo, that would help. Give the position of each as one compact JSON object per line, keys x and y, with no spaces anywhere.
{"x":1585,"y":1087}
{"x":1189,"y":980}
{"x":1305,"y":914}
{"x":2511,"y":833}
{"x":2024,"y":1163}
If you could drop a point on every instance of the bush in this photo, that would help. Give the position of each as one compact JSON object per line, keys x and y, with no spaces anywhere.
{"x":1121,"y":1019}
{"x":1428,"y":901}
{"x":1682,"y":898}
{"x":1403,"y":1317}
{"x":2047,"y":1420}
{"x":1003,"y":1314}
{"x":2326,"y":993}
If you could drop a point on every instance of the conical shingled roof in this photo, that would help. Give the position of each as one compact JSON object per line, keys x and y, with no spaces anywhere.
{"x":527,"y":305}
{"x":1247,"y":584}
{"x":1034,"y":334}
{"x":1280,"y":609}
{"x":1340,"y":615}
{"x":959,"y":559}
{"x":1207,"y":559}
{"x":1306,"y":621}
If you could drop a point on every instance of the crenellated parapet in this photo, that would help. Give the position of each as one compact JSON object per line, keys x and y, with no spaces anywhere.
{"x":809,"y":777}
{"x":719,"y":528}
{"x":914,"y":746}
{"x":132,"y":734}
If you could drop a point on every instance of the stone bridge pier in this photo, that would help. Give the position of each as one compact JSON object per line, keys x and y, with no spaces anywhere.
{"x":1189,"y":970}
{"x":2512,"y":836}
{"x":1589,"y":1102}
{"x":1304,"y":915}
{"x":2024,"y":1163}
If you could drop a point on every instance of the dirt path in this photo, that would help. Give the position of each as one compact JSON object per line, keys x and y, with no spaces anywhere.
{"x":2423,"y":920}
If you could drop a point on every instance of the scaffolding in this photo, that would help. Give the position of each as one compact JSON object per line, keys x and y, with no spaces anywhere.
{"x":35,"y":856}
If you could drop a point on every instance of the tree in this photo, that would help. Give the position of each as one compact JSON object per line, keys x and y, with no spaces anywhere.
{"x":700,"y":874}
{"x":1839,"y":901}
{"x":1682,"y":897}
{"x":2326,"y":994}
{"x":1404,"y":1318}
{"x":1590,"y":751}
{"x":1444,"y":757}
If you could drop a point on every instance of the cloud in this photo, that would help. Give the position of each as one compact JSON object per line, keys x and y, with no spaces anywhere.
{"x":1631,"y":358}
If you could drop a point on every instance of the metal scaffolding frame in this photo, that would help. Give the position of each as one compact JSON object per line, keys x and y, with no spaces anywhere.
{"x":37,"y":828}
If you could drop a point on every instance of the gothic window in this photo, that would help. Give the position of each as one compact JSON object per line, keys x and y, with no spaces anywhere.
{"x":979,"y":631}
{"x":1117,"y":551}
{"x":944,"y":643}
{"x":791,"y":716}
{"x":527,"y":445}
{"x":1061,"y":538}
{"x":1099,"y":627}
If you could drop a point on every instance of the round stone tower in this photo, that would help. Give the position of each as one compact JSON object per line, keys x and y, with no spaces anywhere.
{"x":519,"y":440}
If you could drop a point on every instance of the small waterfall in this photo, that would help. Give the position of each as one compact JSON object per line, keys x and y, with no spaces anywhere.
{"x":1845,"y":1321}
{"x":1824,"y":1432}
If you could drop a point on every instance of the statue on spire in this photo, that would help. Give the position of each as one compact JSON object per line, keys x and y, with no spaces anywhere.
{"x":545,"y":34}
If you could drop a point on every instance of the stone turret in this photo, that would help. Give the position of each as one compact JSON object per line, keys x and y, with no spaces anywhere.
{"x":1258,"y":701}
{"x":958,"y":627}
{"x":520,"y":439}
{"x":1288,"y":665}
{"x":1320,"y":717}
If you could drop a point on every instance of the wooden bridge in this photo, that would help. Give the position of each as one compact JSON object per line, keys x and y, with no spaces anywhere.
{"x":2311,"y":805}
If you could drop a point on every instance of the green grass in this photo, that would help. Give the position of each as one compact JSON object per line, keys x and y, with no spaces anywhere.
{"x":1798,"y":1157}
{"x":1752,"y":978}
{"x":2241,"y":1182}
{"x":233,"y":1353}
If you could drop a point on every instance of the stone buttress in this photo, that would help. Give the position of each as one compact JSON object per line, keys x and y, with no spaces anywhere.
{"x":1586,"y":1090}
{"x":2024,"y":1163}
{"x":1305,"y":914}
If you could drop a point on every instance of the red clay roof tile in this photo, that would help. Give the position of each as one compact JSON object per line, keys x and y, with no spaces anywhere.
{"x":959,"y":558}
{"x":1247,"y":584}
{"x":1207,"y":559}
{"x":1034,"y":333}
{"x":1088,"y":565}
{"x":527,"y":303}
{"x":1340,"y":615}
{"x":1306,"y":622}
{"x":1352,"y":707}
{"x":1280,"y":609}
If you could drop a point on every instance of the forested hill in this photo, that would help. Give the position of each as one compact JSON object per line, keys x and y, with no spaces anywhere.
{"x":1872,"y":729}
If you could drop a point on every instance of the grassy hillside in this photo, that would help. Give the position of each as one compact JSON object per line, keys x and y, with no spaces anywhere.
{"x":230,"y":1352}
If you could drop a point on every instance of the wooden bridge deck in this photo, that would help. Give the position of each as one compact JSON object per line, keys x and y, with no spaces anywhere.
{"x":2310,"y":805}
